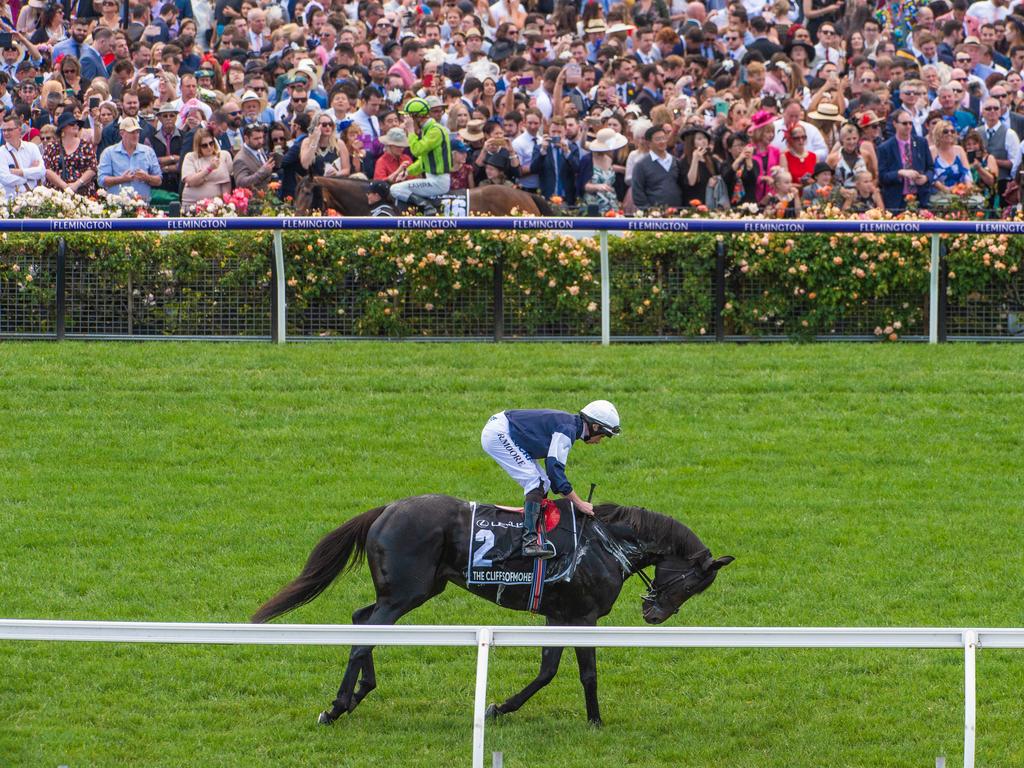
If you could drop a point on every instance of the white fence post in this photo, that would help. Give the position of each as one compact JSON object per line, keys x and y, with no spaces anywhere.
{"x":606,"y":292}
{"x":483,"y":639}
{"x":933,"y":292}
{"x":282,"y":308}
{"x":970,"y":695}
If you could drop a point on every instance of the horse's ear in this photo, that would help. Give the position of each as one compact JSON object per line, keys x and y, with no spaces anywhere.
{"x":721,"y":562}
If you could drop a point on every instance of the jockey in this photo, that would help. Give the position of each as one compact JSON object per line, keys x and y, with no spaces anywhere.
{"x":377,"y":196}
{"x":431,"y":145}
{"x":518,"y":440}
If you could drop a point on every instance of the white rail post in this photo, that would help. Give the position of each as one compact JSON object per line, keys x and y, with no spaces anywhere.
{"x":606,"y":292}
{"x":933,"y":292}
{"x":970,"y":696}
{"x":483,"y":647}
{"x":282,"y":309}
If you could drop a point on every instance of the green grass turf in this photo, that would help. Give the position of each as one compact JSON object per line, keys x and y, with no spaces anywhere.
{"x":857,"y":485}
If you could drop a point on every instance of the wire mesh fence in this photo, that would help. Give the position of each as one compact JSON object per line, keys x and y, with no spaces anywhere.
{"x":504,"y":285}
{"x":28,"y":292}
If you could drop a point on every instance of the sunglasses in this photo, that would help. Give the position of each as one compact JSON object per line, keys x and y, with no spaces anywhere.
{"x":327,"y":125}
{"x":998,"y":95}
{"x":963,"y":60}
{"x":947,"y":132}
{"x":991,"y":109}
{"x":797,"y":138}
{"x":207,"y":144}
{"x":827,"y":31}
{"x":299,"y":100}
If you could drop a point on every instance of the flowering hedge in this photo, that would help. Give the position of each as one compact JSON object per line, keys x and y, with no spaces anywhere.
{"x":441,"y":283}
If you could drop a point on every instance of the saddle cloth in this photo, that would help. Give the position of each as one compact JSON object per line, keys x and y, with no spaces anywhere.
{"x":497,"y":540}
{"x":454,"y":203}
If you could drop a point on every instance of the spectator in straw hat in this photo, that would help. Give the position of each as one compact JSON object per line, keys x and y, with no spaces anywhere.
{"x":395,"y":157}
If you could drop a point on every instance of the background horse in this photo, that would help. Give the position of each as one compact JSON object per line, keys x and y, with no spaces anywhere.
{"x":416,"y":546}
{"x":348,"y":198}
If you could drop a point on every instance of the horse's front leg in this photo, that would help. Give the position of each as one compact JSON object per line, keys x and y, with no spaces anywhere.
{"x":549,"y":660}
{"x":586,"y":658}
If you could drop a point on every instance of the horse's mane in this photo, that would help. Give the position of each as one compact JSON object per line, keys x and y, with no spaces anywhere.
{"x":649,"y":526}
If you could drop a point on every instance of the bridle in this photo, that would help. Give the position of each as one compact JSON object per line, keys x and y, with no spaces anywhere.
{"x":655,"y":591}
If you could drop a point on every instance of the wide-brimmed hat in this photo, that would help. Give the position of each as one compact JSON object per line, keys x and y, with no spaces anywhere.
{"x":40,"y":4}
{"x":395,"y":137}
{"x":498,"y":160}
{"x":808,"y":49}
{"x":433,"y":102}
{"x":483,"y":69}
{"x":596,"y":27}
{"x":501,"y":50}
{"x":867,"y":118}
{"x":826,"y":110}
{"x":619,"y":27}
{"x":167,"y":109}
{"x":761,"y":118}
{"x":68,"y":118}
{"x":250,"y":96}
{"x":690,"y":130}
{"x":129,"y":125}
{"x":474,"y":131}
{"x":607,"y":140}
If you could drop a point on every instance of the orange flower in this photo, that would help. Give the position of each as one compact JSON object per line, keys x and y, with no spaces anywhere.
{"x":694,"y":203}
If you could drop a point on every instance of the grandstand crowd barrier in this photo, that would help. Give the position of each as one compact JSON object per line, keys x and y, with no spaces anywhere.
{"x":55,"y":312}
{"x":484,"y":638}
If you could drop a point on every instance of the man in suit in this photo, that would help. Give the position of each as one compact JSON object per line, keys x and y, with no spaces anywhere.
{"x":559,"y":164}
{"x":1012,"y":120}
{"x":253,"y":168}
{"x":656,"y":177}
{"x":905,"y":165}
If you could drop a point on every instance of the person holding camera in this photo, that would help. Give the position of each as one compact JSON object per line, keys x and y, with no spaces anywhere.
{"x":497,"y":152}
{"x":254,"y":167}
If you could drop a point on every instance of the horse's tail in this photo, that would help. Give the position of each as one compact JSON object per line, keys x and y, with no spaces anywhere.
{"x":327,"y":560}
{"x":543,"y":205}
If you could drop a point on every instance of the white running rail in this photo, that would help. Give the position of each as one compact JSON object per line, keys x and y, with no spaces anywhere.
{"x":484,"y":638}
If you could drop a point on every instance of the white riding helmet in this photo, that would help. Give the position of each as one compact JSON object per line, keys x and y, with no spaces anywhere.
{"x":603,"y":414}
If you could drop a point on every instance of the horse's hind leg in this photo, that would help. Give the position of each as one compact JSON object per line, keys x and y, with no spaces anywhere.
{"x":549,"y":661}
{"x":360,"y":660}
{"x":367,"y":675}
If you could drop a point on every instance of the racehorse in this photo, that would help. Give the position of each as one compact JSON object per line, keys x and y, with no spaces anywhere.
{"x":416,"y":546}
{"x":348,"y":198}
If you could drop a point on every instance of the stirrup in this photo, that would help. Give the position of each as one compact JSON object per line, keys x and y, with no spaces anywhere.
{"x":544,"y":550}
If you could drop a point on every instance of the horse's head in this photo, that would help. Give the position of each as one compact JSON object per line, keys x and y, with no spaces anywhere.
{"x":676,"y":580}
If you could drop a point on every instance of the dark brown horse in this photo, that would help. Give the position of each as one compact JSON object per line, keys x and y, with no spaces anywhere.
{"x":415,"y":547}
{"x":348,"y":198}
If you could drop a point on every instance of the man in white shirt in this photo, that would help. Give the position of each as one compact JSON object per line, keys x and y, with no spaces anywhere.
{"x":21,"y":164}
{"x":524,"y":145}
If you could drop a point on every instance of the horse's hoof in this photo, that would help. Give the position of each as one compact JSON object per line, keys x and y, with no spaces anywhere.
{"x":491,"y":713}
{"x":325,"y":718}
{"x":596,"y":723}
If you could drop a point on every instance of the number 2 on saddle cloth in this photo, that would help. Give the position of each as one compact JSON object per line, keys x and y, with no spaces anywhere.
{"x":495,"y":553}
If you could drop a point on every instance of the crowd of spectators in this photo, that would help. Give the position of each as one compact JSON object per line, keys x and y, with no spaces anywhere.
{"x":601,"y":105}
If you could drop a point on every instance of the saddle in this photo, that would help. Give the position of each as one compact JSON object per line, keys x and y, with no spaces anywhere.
{"x":495,"y":552}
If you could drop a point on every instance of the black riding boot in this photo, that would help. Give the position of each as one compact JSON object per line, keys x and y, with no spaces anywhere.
{"x":533,"y":542}
{"x":423,"y":204}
